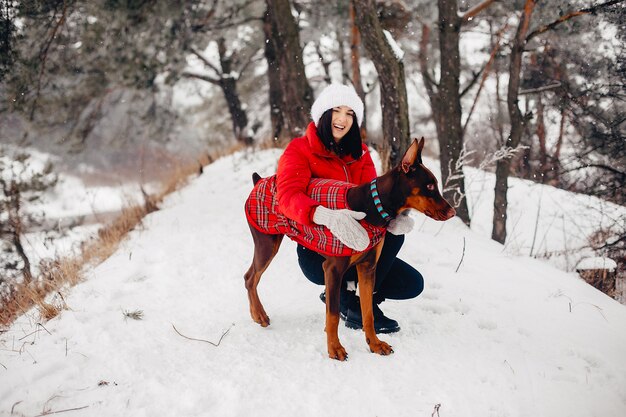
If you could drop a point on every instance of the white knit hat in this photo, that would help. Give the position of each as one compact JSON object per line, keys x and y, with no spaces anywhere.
{"x":336,"y":95}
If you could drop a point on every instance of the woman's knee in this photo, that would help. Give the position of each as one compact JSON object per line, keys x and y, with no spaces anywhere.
{"x":403,"y":282}
{"x":417,"y":284}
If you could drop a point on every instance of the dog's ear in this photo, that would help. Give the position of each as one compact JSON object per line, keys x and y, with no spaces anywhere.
{"x":410,"y":156}
{"x":420,"y":146}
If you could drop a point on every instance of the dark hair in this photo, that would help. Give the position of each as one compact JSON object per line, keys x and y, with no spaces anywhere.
{"x":351,"y":144}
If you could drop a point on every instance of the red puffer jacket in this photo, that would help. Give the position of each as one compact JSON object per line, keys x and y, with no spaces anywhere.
{"x":306,"y":158}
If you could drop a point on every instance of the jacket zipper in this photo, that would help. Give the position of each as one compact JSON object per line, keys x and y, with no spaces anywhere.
{"x":345,"y":171}
{"x":343,"y":165}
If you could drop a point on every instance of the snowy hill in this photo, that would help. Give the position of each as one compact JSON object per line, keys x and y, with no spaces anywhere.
{"x":504,"y":336}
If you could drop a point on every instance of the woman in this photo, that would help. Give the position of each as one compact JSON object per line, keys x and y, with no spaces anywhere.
{"x":332,"y":148}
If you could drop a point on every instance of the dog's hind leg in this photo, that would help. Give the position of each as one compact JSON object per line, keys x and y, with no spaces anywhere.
{"x":265,"y":248}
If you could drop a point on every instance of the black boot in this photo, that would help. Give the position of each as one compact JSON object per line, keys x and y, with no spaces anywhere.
{"x":382,"y":323}
{"x":350,"y":312}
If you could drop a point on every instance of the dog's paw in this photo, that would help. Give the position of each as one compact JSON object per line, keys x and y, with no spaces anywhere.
{"x":264,"y":321}
{"x":381,"y":348}
{"x":260,"y":317}
{"x":337,"y":352}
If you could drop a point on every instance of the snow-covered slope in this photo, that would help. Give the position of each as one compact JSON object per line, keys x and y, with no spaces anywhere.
{"x":503,"y":336}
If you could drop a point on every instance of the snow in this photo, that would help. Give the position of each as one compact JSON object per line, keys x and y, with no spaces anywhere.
{"x":543,"y":221}
{"x":397,"y":51}
{"x":596,"y":263}
{"x":506,"y":335}
{"x":72,"y":198}
{"x":71,"y":211}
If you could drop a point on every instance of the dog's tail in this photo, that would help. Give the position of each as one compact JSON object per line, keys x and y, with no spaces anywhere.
{"x":255,"y":178}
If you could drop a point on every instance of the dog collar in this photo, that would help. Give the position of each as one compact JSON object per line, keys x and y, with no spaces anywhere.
{"x":379,"y":205}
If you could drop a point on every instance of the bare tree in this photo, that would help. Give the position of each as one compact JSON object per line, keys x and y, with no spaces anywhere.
{"x":225,"y":76}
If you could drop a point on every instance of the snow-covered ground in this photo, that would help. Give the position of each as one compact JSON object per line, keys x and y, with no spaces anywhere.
{"x":506,"y":335}
{"x":544,"y":221}
{"x":70,"y":211}
{"x":73,"y":212}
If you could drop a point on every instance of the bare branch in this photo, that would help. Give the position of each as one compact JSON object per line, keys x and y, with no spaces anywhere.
{"x":252,"y":59}
{"x":462,"y":256}
{"x":202,"y":340}
{"x":599,"y":166}
{"x":324,"y":62}
{"x":473,"y":81}
{"x":207,"y":17}
{"x":568,"y":16}
{"x":225,"y":24}
{"x":485,"y":72}
{"x":206,"y":61}
{"x":226,"y":19}
{"x":202,"y":77}
{"x":540,"y":89}
{"x":612,"y":243}
{"x":429,"y":83}
{"x":471,"y":13}
{"x":47,"y":413}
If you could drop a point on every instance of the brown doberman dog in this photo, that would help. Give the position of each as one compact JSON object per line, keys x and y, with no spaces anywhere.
{"x":410,"y":185}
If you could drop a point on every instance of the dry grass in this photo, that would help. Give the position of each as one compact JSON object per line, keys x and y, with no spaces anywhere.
{"x":66,"y":272}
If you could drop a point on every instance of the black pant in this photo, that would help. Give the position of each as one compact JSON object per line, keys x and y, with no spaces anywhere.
{"x":395,"y":278}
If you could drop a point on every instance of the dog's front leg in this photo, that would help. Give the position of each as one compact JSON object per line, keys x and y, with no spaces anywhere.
{"x":334,"y":268}
{"x":367,"y":277}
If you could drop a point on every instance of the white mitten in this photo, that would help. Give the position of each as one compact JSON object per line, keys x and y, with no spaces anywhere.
{"x":343,"y":224}
{"x":401,"y":225}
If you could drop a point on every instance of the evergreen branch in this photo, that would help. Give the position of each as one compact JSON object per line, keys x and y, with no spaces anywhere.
{"x":568,"y":16}
{"x":44,"y":58}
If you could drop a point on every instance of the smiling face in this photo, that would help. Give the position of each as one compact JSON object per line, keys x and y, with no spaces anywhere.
{"x":342,"y":120}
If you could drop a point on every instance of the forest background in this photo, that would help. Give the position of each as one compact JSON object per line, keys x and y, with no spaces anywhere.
{"x":128,"y":91}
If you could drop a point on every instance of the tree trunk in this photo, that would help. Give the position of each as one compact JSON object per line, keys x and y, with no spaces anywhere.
{"x":541,"y":135}
{"x":390,"y":69}
{"x":279,"y":133}
{"x":324,"y":62}
{"x":342,"y":56}
{"x":448,"y":114}
{"x":503,"y":166}
{"x":16,"y":230}
{"x":355,"y":58}
{"x":555,"y":161}
{"x":296,"y":97}
{"x":228,"y":84}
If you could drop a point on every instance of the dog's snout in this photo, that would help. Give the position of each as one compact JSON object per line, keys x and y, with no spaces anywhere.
{"x":450,"y":213}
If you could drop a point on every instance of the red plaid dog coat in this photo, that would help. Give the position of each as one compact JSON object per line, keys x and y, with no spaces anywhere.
{"x":262,"y":213}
